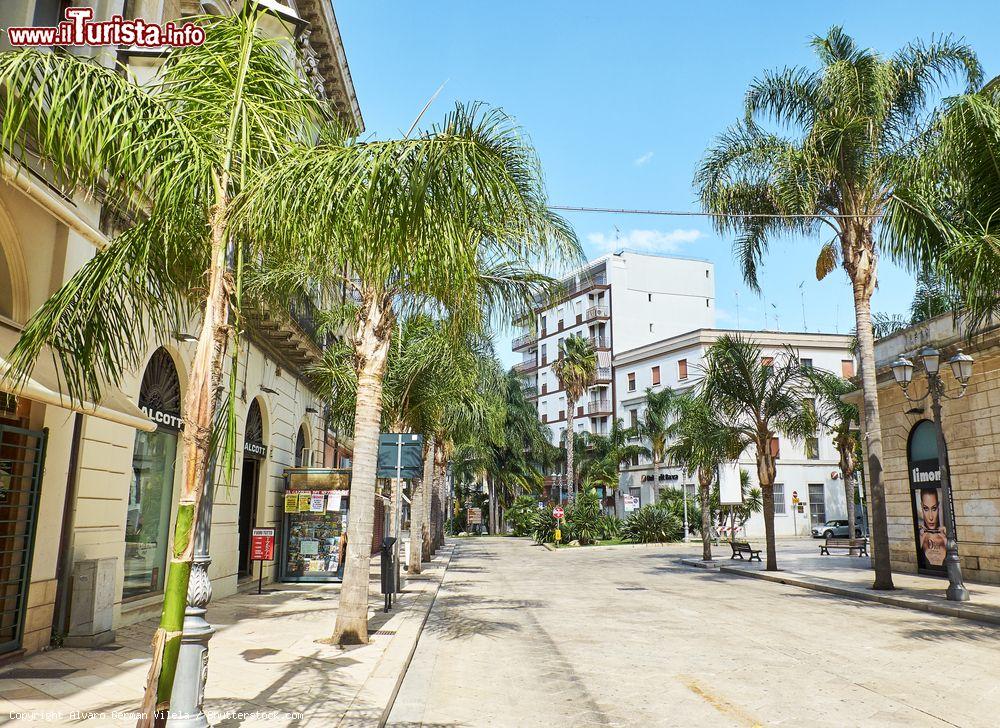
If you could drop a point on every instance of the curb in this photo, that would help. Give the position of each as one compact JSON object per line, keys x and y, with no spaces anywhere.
{"x":971,"y":613}
{"x":387,"y":711}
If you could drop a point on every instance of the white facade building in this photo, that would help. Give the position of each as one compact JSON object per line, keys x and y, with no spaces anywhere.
{"x":620,"y":301}
{"x":809,"y":468}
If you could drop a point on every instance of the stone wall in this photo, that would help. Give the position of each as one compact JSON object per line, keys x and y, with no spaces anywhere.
{"x":972,"y":433}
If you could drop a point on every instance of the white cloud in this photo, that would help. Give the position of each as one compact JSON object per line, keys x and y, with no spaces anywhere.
{"x":643,"y":160}
{"x":649,"y":241}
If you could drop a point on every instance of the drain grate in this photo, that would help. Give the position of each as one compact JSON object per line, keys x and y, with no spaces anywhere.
{"x":383,"y":632}
{"x":632,"y":588}
{"x":38,"y":673}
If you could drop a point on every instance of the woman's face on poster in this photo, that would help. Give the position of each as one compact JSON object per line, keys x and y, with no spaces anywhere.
{"x":929,"y":508}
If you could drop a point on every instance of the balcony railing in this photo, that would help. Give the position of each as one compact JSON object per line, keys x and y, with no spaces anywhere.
{"x":599,"y":407}
{"x":530,"y":391}
{"x":524,"y":341}
{"x":603,"y":374}
{"x":598,"y":312}
{"x":528,"y":365}
{"x":601,"y":279}
{"x":600,"y":342}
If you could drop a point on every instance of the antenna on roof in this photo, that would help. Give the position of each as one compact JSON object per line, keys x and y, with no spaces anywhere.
{"x":802,"y":293}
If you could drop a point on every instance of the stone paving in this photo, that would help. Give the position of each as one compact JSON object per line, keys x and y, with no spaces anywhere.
{"x":628,"y":636}
{"x":268,"y":660}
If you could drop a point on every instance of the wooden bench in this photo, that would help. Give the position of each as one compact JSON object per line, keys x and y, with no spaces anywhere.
{"x":848,"y":544}
{"x":742,"y":547}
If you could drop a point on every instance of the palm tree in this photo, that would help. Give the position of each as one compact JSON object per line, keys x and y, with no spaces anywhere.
{"x":604,"y":455}
{"x":943,"y":218}
{"x":576,"y":370}
{"x":853,"y":124}
{"x":839,"y":417}
{"x":654,"y":425}
{"x":453,"y":220}
{"x":165,"y":159}
{"x":701,"y":442}
{"x":760,"y":398}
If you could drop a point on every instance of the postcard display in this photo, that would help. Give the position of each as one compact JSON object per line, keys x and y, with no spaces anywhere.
{"x":316,"y":504}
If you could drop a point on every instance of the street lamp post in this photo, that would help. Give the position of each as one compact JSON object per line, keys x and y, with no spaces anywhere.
{"x":961,"y":367}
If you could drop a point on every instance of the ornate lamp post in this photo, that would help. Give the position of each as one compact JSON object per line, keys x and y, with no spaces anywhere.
{"x":961,"y":368}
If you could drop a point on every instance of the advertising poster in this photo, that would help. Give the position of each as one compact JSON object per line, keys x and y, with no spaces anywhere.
{"x":305,"y":500}
{"x":929,"y":526}
{"x":316,"y":502}
{"x":291,"y":502}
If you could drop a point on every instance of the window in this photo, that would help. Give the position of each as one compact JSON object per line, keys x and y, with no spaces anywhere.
{"x":631,"y":381}
{"x":779,"y":499}
{"x":651,"y":328}
{"x":650,"y":297}
{"x":806,"y":363}
{"x":847,"y":368}
{"x":708,"y":303}
{"x":706,"y":272}
{"x":682,"y":369}
{"x":817,"y":504}
{"x":767,"y":361}
{"x":812,"y":448}
{"x":633,"y":418}
{"x":656,"y":375}
{"x":544,"y":324}
{"x":545,"y":354}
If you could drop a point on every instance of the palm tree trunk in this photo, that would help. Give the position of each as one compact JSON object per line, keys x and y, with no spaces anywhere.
{"x":706,"y":517}
{"x":847,"y":473}
{"x":765,"y":475}
{"x":371,"y":351}
{"x":656,"y":480}
{"x":873,"y":436}
{"x":570,"y":480}
{"x":426,"y":486}
{"x":199,"y":414}
{"x":440,"y":481}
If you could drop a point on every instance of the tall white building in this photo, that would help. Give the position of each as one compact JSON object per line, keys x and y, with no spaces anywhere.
{"x":808,"y":468}
{"x":619,"y":301}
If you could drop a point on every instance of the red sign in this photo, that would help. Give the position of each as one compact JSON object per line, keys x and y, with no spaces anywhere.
{"x":557,"y":512}
{"x":795,"y":494}
{"x":262,"y":544}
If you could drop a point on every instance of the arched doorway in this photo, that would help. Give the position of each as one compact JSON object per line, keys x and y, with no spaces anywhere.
{"x":151,"y":494}
{"x":929,"y":528}
{"x":254,"y":455}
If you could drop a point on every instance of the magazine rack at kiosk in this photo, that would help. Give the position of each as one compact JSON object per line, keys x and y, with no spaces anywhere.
{"x":313,"y":540}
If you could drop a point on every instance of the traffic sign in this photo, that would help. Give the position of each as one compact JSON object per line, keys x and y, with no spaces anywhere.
{"x":795,"y":497}
{"x":557,"y":512}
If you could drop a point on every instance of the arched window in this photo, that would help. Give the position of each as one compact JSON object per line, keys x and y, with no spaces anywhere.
{"x":151,"y":495}
{"x":300,"y":446}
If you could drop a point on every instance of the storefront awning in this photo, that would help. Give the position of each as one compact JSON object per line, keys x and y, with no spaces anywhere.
{"x":45,"y":385}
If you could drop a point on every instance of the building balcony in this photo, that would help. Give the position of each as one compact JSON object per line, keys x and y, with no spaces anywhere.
{"x":292,"y":337}
{"x":600,"y":342}
{"x":523,"y":367}
{"x":527,"y":341}
{"x":530,"y":391}
{"x":603,"y":375}
{"x":598,"y":312}
{"x":599,"y":407}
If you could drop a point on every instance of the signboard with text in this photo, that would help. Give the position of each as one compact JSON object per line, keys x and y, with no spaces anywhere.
{"x":262,"y":544}
{"x":475,"y":516}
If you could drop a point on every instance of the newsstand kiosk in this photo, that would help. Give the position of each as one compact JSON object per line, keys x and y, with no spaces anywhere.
{"x":314,"y":537}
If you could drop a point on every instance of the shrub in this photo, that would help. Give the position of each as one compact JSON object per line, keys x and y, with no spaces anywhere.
{"x":609,"y":527}
{"x":521,"y":514}
{"x":583,"y":517}
{"x":651,"y":524}
{"x":543,"y":526}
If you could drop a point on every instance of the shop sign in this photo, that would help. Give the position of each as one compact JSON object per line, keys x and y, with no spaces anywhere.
{"x":168,"y":420}
{"x":474,"y":516}
{"x":631,"y":502}
{"x":253,"y":448}
{"x":262,"y":544}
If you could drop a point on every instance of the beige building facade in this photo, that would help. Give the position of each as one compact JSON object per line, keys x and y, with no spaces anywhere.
{"x":971,"y":426}
{"x":87,"y":497}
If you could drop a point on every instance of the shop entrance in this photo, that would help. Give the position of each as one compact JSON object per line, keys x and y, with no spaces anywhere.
{"x":22,"y":455}
{"x":248,"y":512}
{"x":254,"y":454}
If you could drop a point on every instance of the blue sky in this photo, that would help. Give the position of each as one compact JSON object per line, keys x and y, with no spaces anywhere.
{"x":621,"y":99}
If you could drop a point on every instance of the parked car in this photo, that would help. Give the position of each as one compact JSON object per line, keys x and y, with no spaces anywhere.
{"x":835,"y":528}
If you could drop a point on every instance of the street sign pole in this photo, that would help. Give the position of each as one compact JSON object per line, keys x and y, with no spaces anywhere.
{"x":399,"y":507}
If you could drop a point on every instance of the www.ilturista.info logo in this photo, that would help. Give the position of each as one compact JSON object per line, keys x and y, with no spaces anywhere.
{"x":79,"y":30}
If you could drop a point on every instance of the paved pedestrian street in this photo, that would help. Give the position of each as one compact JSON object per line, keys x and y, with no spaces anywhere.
{"x":627,"y":636}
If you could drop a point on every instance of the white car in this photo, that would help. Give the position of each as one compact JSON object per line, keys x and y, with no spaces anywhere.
{"x":837,"y":528}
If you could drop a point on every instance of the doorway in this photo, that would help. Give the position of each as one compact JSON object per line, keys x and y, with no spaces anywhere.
{"x":22,"y":455}
{"x":248,"y":512}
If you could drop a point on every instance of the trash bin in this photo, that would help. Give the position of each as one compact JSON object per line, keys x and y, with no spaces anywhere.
{"x":388,"y":569}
